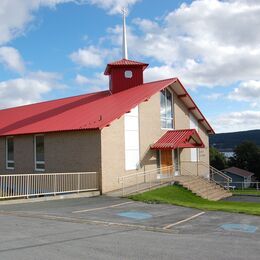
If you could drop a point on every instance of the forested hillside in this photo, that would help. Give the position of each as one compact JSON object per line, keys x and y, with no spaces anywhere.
{"x":231,"y":140}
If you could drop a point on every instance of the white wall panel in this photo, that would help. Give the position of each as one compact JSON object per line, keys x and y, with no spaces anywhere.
{"x":193,"y":125}
{"x":132,"y":154}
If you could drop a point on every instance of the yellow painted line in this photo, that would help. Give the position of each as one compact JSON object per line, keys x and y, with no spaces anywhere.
{"x":184,"y":220}
{"x":106,"y":207}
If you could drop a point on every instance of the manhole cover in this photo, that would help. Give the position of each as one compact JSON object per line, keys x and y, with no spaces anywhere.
{"x":135,"y":215}
{"x":239,"y":227}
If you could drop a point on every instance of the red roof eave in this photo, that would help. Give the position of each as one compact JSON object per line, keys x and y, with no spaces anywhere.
{"x":210,"y":130}
{"x":173,"y":139}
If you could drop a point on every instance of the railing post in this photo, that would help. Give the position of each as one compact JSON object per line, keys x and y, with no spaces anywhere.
{"x":27,"y":191}
{"x":78,"y":182}
{"x":150,"y":182}
{"x":123,"y":188}
{"x":55,"y":185}
{"x":136,"y":182}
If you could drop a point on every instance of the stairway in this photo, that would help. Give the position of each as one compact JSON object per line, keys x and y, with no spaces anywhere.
{"x":202,"y":187}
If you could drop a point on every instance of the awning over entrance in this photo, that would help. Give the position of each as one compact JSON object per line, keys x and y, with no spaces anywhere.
{"x":172,"y":139}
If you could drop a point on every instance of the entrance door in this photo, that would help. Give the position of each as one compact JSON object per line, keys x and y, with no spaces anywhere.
{"x":166,"y":161}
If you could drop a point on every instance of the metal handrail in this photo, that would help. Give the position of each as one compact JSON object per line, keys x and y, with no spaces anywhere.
{"x":28,"y":185}
{"x":141,"y":181}
{"x":132,"y":175}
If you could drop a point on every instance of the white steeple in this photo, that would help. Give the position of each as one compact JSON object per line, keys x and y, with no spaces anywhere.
{"x":124,"y":47}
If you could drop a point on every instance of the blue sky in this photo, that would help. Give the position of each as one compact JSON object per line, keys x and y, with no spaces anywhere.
{"x":57,"y":48}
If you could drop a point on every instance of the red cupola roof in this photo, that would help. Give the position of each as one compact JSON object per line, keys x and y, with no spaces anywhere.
{"x":124,"y":74}
{"x":124,"y":63}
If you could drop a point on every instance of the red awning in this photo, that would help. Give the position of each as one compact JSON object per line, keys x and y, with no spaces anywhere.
{"x":187,"y":138}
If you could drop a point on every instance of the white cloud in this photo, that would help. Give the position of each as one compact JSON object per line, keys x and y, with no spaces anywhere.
{"x":98,"y":82}
{"x":30,"y":89}
{"x":113,"y":6}
{"x":248,"y":91}
{"x":81,"y":80}
{"x":205,"y":43}
{"x":237,"y":121}
{"x":158,"y":73}
{"x":214,"y":96}
{"x":88,"y":57}
{"x":11,"y":58}
{"x":15,"y":15}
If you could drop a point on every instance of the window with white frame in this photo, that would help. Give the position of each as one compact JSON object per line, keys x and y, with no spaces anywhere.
{"x":9,"y":153}
{"x":39,"y":152}
{"x":166,"y":109}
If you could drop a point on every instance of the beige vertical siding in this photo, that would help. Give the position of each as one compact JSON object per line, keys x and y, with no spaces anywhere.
{"x":23,"y":155}
{"x":103,"y":151}
{"x":182,"y":121}
{"x":113,"y":148}
{"x":2,"y":154}
{"x":64,"y":152}
{"x":73,"y":151}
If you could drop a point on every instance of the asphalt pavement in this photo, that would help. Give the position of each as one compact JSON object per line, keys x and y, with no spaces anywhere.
{"x":114,"y":228}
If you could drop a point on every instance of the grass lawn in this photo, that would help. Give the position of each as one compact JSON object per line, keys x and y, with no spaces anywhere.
{"x":246,"y":192}
{"x":177,"y":195}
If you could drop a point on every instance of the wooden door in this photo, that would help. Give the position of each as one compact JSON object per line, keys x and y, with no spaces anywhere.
{"x":166,"y":161}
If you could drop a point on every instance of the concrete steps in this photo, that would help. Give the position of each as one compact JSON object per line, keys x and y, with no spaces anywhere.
{"x":202,"y":187}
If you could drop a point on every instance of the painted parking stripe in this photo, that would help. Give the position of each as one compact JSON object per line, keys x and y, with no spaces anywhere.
{"x":106,"y":207}
{"x":184,"y":220}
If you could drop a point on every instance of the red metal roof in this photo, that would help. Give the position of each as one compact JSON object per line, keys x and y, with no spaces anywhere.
{"x":89,"y":111}
{"x":172,"y":139}
{"x":124,"y":62}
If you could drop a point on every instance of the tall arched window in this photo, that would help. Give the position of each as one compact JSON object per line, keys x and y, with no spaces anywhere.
{"x":166,"y":109}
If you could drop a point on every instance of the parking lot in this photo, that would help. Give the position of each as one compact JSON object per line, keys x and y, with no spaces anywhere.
{"x":105,"y":227}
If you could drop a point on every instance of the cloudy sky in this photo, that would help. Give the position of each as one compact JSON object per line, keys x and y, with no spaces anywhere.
{"x":56,"y":48}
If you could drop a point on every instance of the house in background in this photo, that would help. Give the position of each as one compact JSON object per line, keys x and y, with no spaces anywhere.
{"x":240,"y":178}
{"x":133,"y":127}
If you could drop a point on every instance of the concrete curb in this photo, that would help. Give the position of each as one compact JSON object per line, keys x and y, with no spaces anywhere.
{"x":245,"y":195}
{"x":50,"y":198}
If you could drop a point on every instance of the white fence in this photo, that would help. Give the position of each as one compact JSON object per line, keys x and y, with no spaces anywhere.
{"x":245,"y":186}
{"x":29,"y":185}
{"x":146,"y":180}
{"x":206,"y":171}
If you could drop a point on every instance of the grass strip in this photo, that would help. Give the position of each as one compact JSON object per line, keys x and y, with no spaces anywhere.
{"x":177,"y":195}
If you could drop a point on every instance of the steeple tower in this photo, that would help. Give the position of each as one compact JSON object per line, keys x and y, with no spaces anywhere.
{"x":124,"y":47}
{"x":124,"y":74}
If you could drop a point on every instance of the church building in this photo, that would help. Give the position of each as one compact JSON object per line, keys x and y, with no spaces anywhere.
{"x":132,"y":127}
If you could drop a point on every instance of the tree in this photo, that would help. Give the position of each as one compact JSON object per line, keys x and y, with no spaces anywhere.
{"x":247,"y":157}
{"x":217,"y":159}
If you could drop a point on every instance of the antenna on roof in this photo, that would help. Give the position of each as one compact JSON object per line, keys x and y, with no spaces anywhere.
{"x":124,"y":47}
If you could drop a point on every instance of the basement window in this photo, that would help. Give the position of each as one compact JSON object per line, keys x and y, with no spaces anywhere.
{"x":39,"y":152}
{"x":10,"y":153}
{"x":166,"y":101}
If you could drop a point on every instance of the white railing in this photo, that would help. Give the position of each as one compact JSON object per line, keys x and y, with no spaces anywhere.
{"x":246,"y":186}
{"x":29,"y":185}
{"x":205,"y":170}
{"x":146,"y":180}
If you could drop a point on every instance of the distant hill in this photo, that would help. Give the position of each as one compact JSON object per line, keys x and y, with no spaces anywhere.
{"x":231,"y":140}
